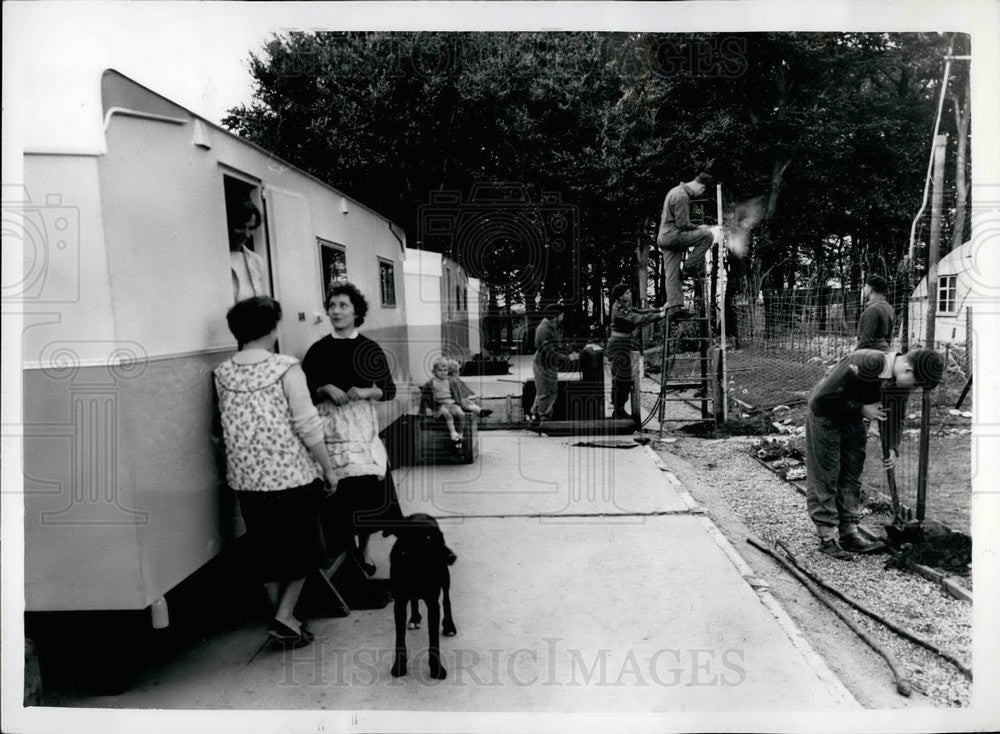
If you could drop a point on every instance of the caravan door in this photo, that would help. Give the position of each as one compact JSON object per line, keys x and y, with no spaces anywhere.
{"x":297,"y":280}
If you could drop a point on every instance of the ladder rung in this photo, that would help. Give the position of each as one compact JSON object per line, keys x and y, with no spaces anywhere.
{"x":683,"y":385}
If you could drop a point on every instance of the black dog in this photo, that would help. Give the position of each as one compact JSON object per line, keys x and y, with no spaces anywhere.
{"x":419,"y":570}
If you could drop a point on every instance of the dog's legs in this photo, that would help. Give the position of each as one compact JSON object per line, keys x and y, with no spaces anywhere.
{"x":433,"y":630}
{"x":448,"y":624}
{"x":414,"y":623}
{"x":399,"y":612}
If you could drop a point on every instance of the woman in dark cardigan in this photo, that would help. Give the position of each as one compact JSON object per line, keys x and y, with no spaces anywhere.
{"x":347,"y":373}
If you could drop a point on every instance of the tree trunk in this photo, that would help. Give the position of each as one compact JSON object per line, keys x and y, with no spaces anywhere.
{"x":493,"y":322}
{"x":597,"y":294}
{"x":962,"y":116}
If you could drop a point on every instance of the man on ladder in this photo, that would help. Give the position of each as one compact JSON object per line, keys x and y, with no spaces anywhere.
{"x":677,"y":235}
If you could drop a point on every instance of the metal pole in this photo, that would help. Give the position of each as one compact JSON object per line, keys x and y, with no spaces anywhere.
{"x":930,"y":162}
{"x":723,"y":286}
{"x":704,"y":332}
{"x":925,"y":436}
{"x":934,"y":247}
{"x":968,"y":340}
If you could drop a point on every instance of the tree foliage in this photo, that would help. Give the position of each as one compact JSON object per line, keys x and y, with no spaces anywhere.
{"x":832,"y":130}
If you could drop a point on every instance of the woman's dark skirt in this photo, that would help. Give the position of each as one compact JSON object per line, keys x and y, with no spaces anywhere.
{"x":361,"y":506}
{"x":284,"y":531}
{"x":618,"y":354}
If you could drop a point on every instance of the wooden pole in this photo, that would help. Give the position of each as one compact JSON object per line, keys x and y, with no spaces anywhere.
{"x":934,"y":247}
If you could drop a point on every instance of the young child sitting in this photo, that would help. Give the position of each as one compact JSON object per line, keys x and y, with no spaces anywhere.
{"x":441,"y":397}
{"x":466,"y":392}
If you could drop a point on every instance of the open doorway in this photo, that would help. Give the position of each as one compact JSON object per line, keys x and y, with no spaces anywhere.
{"x":250,"y":269}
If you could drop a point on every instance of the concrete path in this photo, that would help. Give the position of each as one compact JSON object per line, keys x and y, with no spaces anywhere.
{"x":584,"y":582}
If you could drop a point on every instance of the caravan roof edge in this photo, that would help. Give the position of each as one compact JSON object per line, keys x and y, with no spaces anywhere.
{"x":230,"y":133}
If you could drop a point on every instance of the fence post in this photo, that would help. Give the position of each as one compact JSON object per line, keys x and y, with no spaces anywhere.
{"x":968,"y":340}
{"x":723,"y":416}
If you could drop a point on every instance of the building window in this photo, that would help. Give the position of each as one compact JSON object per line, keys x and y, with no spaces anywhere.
{"x":947,"y":287}
{"x":333,"y":261}
{"x":387,"y":282}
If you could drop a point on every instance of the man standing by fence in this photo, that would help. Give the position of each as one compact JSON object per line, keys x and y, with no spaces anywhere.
{"x":877,"y":320}
{"x":677,"y":235}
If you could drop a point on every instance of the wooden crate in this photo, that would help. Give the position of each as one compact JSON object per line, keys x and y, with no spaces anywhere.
{"x":434,"y":446}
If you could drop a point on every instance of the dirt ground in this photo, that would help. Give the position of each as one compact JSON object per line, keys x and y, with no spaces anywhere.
{"x":744,"y":498}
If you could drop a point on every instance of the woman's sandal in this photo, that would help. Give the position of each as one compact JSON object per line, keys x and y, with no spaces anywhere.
{"x":457,"y":443}
{"x":285,"y":636}
{"x":307,"y":633}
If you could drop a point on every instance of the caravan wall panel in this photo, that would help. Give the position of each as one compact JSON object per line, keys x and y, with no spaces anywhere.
{"x":80,"y":518}
{"x":168,"y":252}
{"x":65,"y":289}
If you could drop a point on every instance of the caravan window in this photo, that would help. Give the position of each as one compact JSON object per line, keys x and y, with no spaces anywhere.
{"x":333,"y":262}
{"x":387,"y":282}
{"x":947,"y":287}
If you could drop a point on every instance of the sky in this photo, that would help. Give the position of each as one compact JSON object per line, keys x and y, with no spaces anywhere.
{"x":194,"y":56}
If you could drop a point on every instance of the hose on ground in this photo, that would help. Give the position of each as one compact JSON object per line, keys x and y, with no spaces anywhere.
{"x":903,"y":686}
{"x":902,"y":632}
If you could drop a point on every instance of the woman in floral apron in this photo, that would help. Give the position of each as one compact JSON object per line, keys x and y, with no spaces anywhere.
{"x":274,"y":453}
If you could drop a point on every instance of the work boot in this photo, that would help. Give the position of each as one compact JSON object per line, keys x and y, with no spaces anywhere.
{"x":678,"y":313}
{"x":832,"y":548}
{"x":854,"y":543}
{"x":619,"y":400}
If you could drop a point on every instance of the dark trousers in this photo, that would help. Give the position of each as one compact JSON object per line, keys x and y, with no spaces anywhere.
{"x":674,"y":245}
{"x":835,"y":457}
{"x":546,"y":390}
{"x":619,"y":354}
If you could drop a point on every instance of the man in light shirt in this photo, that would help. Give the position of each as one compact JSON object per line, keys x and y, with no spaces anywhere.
{"x":678,"y":237}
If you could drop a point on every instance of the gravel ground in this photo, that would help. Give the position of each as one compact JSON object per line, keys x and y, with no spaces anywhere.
{"x":772,"y":510}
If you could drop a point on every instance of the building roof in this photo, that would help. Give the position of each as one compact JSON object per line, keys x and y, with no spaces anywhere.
{"x":957,"y":261}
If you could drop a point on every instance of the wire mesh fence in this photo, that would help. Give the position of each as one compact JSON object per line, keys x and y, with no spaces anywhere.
{"x":783,"y":341}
